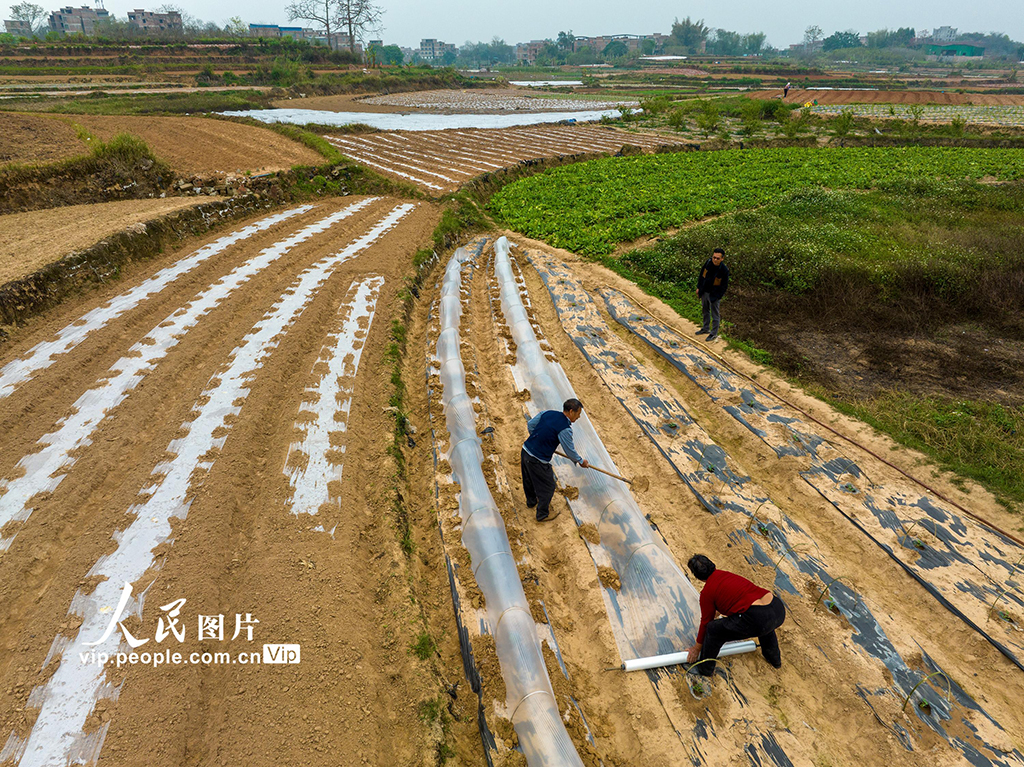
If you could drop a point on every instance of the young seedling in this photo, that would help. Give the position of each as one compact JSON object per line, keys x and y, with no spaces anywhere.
{"x":787,"y":552}
{"x":927,"y":706}
{"x":1003,"y":591}
{"x":826,"y":591}
{"x":917,"y":543}
{"x":700,"y":461}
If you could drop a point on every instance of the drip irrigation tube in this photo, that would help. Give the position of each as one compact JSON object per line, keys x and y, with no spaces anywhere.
{"x":530,"y":697}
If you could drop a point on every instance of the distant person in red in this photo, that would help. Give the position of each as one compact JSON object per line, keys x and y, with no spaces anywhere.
{"x":750,"y":612}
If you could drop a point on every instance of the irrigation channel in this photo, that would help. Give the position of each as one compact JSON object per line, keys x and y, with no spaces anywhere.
{"x":891,"y":651}
{"x":206,"y":440}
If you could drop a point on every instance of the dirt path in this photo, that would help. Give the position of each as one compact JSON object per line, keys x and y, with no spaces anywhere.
{"x":219,"y":398}
{"x":31,"y":240}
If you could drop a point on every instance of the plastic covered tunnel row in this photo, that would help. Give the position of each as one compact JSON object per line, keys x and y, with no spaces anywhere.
{"x":530,"y":701}
{"x":965,"y":565}
{"x":782,"y":544}
{"x":656,"y":610}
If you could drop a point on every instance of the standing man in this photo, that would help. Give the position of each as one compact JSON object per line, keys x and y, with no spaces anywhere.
{"x":785,"y":91}
{"x":749,"y":611}
{"x":548,"y":430}
{"x":712,"y":282}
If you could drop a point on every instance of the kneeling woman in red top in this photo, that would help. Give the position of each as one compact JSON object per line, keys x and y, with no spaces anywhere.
{"x":749,"y":611}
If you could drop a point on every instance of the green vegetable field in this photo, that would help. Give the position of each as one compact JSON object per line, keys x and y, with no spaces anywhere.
{"x":590,"y":207}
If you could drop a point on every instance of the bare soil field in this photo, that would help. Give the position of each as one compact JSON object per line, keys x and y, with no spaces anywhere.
{"x":860,"y":632}
{"x":31,"y":240}
{"x":196,"y":145}
{"x":801,"y":96}
{"x":196,"y":392}
{"x":27,"y":138}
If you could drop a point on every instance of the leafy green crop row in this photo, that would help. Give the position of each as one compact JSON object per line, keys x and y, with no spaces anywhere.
{"x":590,"y":207}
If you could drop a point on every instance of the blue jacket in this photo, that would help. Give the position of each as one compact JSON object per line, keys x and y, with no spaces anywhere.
{"x":548,"y":430}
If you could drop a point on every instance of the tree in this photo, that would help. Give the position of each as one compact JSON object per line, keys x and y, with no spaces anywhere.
{"x":754,"y":43}
{"x":724,"y":43}
{"x":691,"y":35}
{"x":30,"y":13}
{"x":236,"y":27}
{"x":883,"y":38}
{"x":615,"y":49}
{"x":321,"y":12}
{"x":839,"y":40}
{"x":391,"y":55}
{"x":357,"y":18}
{"x":812,"y":35}
{"x":565,"y":41}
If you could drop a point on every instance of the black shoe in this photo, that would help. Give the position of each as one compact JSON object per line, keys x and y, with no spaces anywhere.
{"x":710,"y":338}
{"x":531,"y":505}
{"x":702,"y":331}
{"x":552,"y":513}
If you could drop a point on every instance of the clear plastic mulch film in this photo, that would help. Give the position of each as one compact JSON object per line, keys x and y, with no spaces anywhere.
{"x":657,"y":610}
{"x":531,"y":702}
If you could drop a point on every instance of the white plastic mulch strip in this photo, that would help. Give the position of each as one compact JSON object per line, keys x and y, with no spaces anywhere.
{"x":369,"y":149}
{"x":325,"y":422}
{"x":416,"y":163}
{"x":418,"y":121}
{"x":69,"y":697}
{"x":429,"y":144}
{"x":530,"y":699}
{"x":73,"y":432}
{"x":360,"y":157}
{"x":45,"y":354}
{"x":656,"y":610}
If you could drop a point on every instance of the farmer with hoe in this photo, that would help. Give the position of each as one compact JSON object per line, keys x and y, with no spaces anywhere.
{"x":749,"y":611}
{"x":548,"y":430}
{"x":712,"y":282}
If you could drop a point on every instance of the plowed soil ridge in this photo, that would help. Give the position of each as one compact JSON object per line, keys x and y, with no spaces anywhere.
{"x":238,"y":551}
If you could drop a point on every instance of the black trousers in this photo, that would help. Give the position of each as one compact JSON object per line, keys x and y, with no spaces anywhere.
{"x":538,"y":483}
{"x":758,"y":621}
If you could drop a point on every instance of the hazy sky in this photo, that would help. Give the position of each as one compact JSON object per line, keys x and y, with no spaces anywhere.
{"x":456,"y":21}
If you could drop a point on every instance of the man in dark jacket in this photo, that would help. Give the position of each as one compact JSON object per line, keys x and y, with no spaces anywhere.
{"x":712,"y":282}
{"x":548,"y":430}
{"x":749,"y":611}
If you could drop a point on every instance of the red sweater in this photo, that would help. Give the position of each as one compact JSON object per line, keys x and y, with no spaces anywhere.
{"x":728,"y":594}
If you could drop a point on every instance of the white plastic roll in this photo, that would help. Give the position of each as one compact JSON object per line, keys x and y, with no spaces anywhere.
{"x":675,"y":658}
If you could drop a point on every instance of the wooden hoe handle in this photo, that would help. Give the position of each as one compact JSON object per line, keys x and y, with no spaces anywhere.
{"x":616,"y":476}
